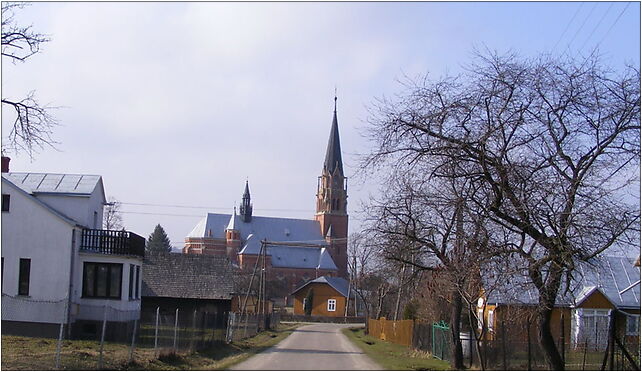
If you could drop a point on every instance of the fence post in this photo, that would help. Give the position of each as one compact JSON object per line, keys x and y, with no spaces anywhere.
{"x":59,"y":345}
{"x":503,"y":344}
{"x":175,"y":328}
{"x":131,"y":348}
{"x":156,"y":333}
{"x":528,"y":341}
{"x":102,"y":339}
{"x":191,"y":344}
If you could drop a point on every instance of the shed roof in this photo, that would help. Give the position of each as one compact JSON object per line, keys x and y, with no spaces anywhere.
{"x":339,"y":284}
{"x":179,"y":275}
{"x":608,"y":274}
{"x":71,"y":184}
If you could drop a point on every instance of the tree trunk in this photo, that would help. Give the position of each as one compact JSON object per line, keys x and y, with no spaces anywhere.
{"x":546,"y":340}
{"x":455,"y":322}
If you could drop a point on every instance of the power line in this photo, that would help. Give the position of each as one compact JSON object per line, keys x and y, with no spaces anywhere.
{"x":596,"y":26}
{"x":567,"y":26}
{"x":213,"y":208}
{"x":568,"y":46}
{"x":616,"y":20}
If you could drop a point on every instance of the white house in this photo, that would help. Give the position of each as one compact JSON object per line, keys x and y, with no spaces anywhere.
{"x":58,"y":265}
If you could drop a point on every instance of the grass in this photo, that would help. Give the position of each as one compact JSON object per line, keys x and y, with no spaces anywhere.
{"x":392,"y":356}
{"x":29,"y":353}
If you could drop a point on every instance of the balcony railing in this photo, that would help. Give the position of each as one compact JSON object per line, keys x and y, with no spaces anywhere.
{"x":116,"y":242}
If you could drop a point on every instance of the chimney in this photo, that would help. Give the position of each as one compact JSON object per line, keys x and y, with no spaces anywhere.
{"x":5,"y":164}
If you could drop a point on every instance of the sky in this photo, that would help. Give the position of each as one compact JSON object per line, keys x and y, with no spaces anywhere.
{"x":177,"y":104}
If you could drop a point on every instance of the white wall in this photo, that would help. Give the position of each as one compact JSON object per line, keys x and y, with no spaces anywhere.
{"x":91,"y":308}
{"x":29,"y":230}
{"x":79,"y":208}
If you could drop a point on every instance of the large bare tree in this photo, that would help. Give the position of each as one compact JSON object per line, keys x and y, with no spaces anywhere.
{"x":33,"y":124}
{"x":550,"y":145}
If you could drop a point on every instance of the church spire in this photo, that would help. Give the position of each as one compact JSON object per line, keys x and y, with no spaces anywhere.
{"x":246,"y":205}
{"x":333,"y":160}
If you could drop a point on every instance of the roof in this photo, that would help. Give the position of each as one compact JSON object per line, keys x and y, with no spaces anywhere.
{"x":275,"y":229}
{"x":70,"y":184}
{"x":179,"y":275}
{"x":39,"y":202}
{"x":270,"y":228}
{"x":339,"y":284}
{"x":333,"y":152}
{"x":608,"y":274}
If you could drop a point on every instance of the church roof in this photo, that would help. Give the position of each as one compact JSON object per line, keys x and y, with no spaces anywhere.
{"x":270,"y":228}
{"x":276,"y":229}
{"x":333,"y":152}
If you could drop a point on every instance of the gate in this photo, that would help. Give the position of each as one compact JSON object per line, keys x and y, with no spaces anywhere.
{"x":441,"y":340}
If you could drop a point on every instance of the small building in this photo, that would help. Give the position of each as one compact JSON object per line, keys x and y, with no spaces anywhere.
{"x":582,"y":314}
{"x":58,"y":265}
{"x":188,"y":282}
{"x":329,"y":297}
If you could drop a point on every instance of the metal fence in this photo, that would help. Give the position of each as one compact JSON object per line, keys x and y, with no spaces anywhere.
{"x":114,"y":338}
{"x":513,"y":346}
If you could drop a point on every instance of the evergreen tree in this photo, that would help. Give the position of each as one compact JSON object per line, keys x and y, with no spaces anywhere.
{"x":307,"y":305}
{"x":158,"y":241}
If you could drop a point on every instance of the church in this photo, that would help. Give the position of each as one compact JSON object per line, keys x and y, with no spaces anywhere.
{"x":307,"y":249}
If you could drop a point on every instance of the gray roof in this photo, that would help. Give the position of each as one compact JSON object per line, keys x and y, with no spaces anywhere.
{"x":291,"y":256}
{"x":273,"y":229}
{"x":37,"y":201}
{"x":339,"y":284}
{"x":179,"y":275}
{"x":608,"y":274}
{"x":72,"y":184}
{"x":270,"y":228}
{"x":333,"y":152}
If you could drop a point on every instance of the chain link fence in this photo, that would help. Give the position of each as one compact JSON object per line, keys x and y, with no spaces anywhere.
{"x":108,"y":338}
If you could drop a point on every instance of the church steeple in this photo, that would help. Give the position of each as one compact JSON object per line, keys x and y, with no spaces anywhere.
{"x":246,"y":205}
{"x":332,"y":200}
{"x":333,"y":160}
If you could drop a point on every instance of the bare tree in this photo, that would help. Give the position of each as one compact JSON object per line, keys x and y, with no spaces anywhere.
{"x":33,"y":124}
{"x":437,"y":228}
{"x":112,"y":216}
{"x":550,"y":144}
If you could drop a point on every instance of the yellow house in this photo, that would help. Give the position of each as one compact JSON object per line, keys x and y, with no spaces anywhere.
{"x":329,"y":296}
{"x":581,"y":315}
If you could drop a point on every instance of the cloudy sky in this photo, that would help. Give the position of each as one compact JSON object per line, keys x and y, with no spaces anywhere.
{"x":176,"y":104}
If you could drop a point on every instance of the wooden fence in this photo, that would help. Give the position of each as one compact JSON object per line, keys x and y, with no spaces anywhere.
{"x":396,"y":331}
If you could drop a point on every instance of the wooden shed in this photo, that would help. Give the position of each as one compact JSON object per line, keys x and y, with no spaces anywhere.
{"x":329,"y":296}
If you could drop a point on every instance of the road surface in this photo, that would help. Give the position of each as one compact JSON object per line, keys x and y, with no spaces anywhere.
{"x":312,"y":347}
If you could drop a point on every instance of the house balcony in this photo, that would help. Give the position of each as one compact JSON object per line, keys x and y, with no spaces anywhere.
{"x":113,"y":242}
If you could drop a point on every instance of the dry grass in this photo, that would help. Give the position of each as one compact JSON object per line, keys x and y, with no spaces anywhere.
{"x":29,"y":353}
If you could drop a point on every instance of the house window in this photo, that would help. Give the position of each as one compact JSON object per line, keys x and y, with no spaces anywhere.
{"x":6,"y":199}
{"x":95,"y":220}
{"x":491,"y":319}
{"x":23,"y":276}
{"x":332,"y":305}
{"x":480,"y":318}
{"x":132,"y":269}
{"x":592,"y":327}
{"x":137,"y":281}
{"x":633,"y":325}
{"x":102,"y":280}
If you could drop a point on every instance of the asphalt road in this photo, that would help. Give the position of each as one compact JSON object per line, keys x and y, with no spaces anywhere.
{"x":312,"y":347}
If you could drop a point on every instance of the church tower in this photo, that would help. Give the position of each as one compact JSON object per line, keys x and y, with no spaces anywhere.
{"x":246,"y":205}
{"x":332,"y":200}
